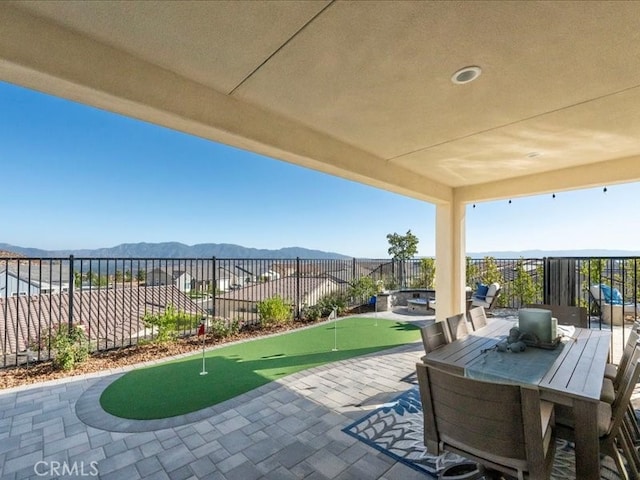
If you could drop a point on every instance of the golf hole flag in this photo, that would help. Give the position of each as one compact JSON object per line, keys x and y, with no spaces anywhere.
{"x":201,"y":331}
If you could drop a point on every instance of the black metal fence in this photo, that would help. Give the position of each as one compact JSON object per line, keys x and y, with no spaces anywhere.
{"x":111,"y":297}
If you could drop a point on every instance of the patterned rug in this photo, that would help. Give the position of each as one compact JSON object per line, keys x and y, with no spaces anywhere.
{"x":395,"y":428}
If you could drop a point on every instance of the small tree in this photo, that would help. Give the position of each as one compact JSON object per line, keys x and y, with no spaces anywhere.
{"x":491,"y":274}
{"x":471,"y":271}
{"x":524,"y":289}
{"x":402,"y":248}
{"x":362,"y":289}
{"x":427,"y":276}
{"x":592,"y":272}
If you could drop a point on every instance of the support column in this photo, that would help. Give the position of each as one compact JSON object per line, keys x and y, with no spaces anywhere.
{"x":450,"y":259}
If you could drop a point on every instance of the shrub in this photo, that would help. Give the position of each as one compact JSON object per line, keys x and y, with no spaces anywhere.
{"x":70,"y":345}
{"x":274,"y":310}
{"x":311,"y":313}
{"x":363,"y":288}
{"x":167,"y":323}
{"x":427,"y":276}
{"x":221,"y":328}
{"x":337,"y":300}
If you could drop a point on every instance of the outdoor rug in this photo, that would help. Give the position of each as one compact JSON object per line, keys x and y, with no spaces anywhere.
{"x":395,"y":428}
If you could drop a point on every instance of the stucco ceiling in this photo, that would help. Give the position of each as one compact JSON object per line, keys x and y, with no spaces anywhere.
{"x":361,"y":89}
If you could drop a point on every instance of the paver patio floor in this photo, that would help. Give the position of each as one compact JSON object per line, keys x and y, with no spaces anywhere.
{"x":286,"y":429}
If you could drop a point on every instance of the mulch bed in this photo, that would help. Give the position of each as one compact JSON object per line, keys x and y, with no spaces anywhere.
{"x":105,"y":360}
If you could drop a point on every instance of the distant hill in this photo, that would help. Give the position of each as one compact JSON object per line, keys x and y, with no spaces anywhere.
{"x":228,"y":250}
{"x":176,"y":250}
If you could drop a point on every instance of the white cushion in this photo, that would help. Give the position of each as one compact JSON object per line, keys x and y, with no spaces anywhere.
{"x":493,"y":288}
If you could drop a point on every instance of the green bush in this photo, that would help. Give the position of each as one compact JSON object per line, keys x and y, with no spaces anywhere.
{"x":274,"y":310}
{"x":427,"y":276}
{"x":167,"y":324}
{"x":524,"y":289}
{"x":311,"y":313}
{"x":221,"y":328}
{"x":362,"y":289}
{"x":337,"y":300}
{"x":70,"y":345}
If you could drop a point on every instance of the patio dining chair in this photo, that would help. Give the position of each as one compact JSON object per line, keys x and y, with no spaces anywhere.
{"x":611,"y":384}
{"x":613,"y":431}
{"x":434,"y":336}
{"x":458,"y":327}
{"x":504,"y":427}
{"x":477,"y":318}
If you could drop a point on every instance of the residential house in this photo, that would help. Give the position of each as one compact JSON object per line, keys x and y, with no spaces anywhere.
{"x":298,"y":292}
{"x":179,"y":278}
{"x":112,"y":317}
{"x":20,"y":280}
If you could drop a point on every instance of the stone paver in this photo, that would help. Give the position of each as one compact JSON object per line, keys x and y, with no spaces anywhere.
{"x":287,"y":429}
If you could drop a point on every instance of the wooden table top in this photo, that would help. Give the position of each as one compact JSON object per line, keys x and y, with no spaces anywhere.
{"x":577,"y":372}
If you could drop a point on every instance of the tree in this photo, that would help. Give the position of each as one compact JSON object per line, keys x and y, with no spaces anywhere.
{"x":427,"y":276}
{"x":524,"y":288}
{"x":362,"y":289}
{"x":472,"y":272}
{"x":402,"y":247}
{"x":491,"y":274}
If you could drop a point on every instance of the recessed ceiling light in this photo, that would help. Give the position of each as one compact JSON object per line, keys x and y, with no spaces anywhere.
{"x":466,"y":75}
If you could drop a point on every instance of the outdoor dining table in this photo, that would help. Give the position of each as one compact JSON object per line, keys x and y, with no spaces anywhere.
{"x":572,"y":375}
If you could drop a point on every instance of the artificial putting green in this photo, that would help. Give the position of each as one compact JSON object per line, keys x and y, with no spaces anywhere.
{"x":176,"y":387}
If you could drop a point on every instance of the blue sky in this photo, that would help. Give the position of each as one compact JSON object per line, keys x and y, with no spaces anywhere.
{"x":77,"y":177}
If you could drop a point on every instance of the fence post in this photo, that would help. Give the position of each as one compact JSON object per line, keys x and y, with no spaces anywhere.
{"x":214,"y":287}
{"x":353,"y":268}
{"x":298,"y":288}
{"x":71,"y":288}
{"x":393,"y":271}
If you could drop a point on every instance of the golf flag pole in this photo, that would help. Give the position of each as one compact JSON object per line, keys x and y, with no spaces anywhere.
{"x":375,"y":308}
{"x":201,"y":331}
{"x":334,"y":315}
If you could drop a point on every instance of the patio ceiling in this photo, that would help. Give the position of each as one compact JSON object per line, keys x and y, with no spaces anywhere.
{"x":361,"y":89}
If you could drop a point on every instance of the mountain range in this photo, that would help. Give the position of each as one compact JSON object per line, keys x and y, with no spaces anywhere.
{"x":227,"y":250}
{"x":176,"y":250}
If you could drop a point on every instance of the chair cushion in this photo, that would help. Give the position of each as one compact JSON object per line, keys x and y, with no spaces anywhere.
{"x":564,"y":417}
{"x":605,"y":290}
{"x":493,"y":289}
{"x":610,"y":371}
{"x":616,"y":297}
{"x":481,"y":291}
{"x":607,"y":393}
